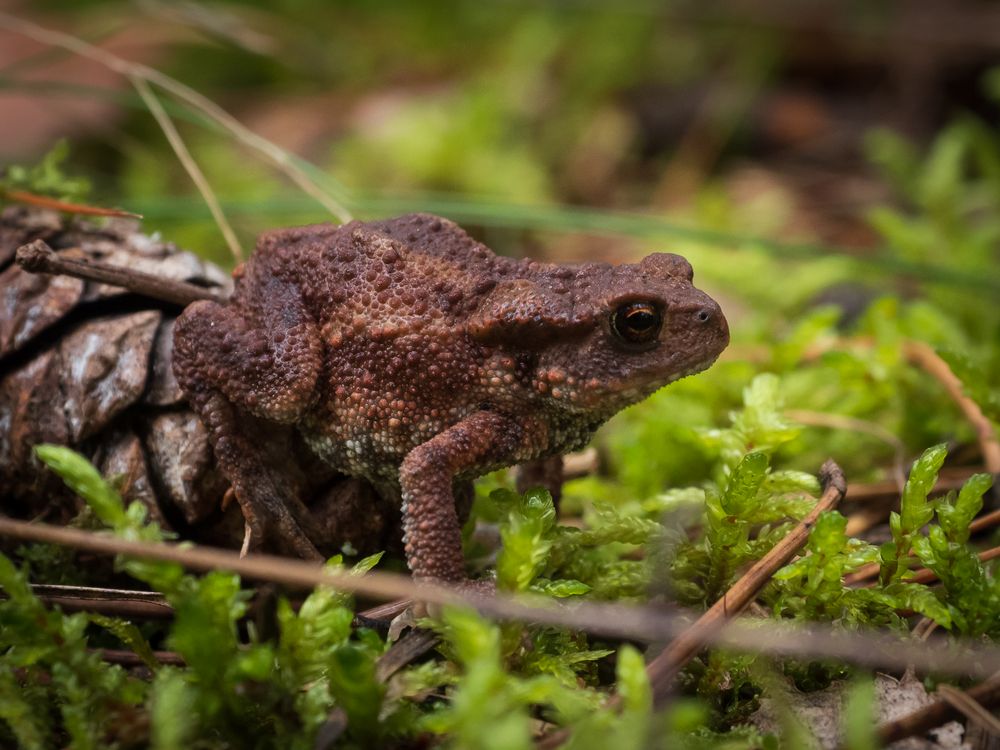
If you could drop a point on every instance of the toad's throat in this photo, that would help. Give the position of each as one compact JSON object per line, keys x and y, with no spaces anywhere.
{"x":609,"y":396}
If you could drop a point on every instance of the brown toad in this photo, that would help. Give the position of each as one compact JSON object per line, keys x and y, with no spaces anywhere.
{"x":407,"y":353}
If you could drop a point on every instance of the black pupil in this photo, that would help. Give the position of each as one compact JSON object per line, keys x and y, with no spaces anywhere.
{"x":637,"y":323}
{"x":640,"y":320}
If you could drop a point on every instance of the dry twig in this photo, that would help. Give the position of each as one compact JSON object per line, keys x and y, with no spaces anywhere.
{"x":986,"y":694}
{"x":44,"y":201}
{"x":189,"y":164}
{"x":875,"y":649}
{"x":668,"y":663}
{"x":38,"y":257}
{"x":925,"y":575}
{"x":144,"y":605}
{"x":151,"y":605}
{"x":878,"y":512}
{"x":278,"y":156}
{"x":889,"y":490}
{"x":132,"y":659}
{"x":664,"y":667}
{"x":921,"y":575}
{"x":968,"y":706}
{"x":923,"y":355}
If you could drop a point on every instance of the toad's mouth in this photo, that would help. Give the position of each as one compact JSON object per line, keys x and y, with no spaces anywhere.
{"x":645,"y":384}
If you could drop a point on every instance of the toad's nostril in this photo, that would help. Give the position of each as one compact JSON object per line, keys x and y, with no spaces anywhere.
{"x":703,"y":315}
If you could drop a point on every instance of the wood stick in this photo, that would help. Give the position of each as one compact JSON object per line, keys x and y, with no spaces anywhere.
{"x":889,"y":489}
{"x":38,"y":257}
{"x":922,"y":575}
{"x":985,"y":522}
{"x":664,"y":668}
{"x":97,"y":593}
{"x":131,"y":659}
{"x":129,"y":609}
{"x":970,"y":708}
{"x":925,"y":575}
{"x":925,"y":357}
{"x":151,"y":605}
{"x":937,"y":713}
{"x":876,"y":513}
{"x":875,"y":649}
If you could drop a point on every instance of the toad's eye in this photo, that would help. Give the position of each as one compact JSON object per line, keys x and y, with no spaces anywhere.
{"x":637,"y":323}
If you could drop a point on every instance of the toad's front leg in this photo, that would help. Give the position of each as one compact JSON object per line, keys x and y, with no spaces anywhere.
{"x":431,"y":529}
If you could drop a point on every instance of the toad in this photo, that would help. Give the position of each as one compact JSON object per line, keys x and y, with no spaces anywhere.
{"x":407,"y":353}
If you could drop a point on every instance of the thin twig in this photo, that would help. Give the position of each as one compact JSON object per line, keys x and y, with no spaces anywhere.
{"x":152,"y":605}
{"x":968,"y":706}
{"x":878,"y":512}
{"x":97,"y":593}
{"x":669,"y":662}
{"x":44,"y":201}
{"x":926,"y":575}
{"x":937,"y":713}
{"x":38,"y":257}
{"x":605,"y":619}
{"x":132,"y":659}
{"x":859,"y":522}
{"x":278,"y":156}
{"x":126,"y":608}
{"x":706,"y":629}
{"x":921,"y":575}
{"x":923,"y":629}
{"x":888,"y":490}
{"x":189,"y":164}
{"x":129,"y":603}
{"x":627,"y":622}
{"x":923,"y":355}
{"x":985,"y":522}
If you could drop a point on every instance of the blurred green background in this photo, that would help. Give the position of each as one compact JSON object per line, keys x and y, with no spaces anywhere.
{"x":831,"y":169}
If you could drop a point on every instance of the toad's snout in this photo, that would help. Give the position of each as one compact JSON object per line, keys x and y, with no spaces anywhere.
{"x":702,"y":319}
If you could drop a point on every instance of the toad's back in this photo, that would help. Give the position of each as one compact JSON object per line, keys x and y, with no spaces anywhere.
{"x":390,"y":300}
{"x":417,"y":269}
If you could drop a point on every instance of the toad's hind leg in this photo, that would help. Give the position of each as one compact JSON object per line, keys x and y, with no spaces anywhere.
{"x":267,"y":365}
{"x":268,"y":368}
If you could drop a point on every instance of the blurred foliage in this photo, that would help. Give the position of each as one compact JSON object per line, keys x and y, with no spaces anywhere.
{"x":241,"y":689}
{"x":46,"y":178}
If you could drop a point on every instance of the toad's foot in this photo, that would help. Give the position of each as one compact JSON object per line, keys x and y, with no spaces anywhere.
{"x":273,"y":522}
{"x":273,"y":515}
